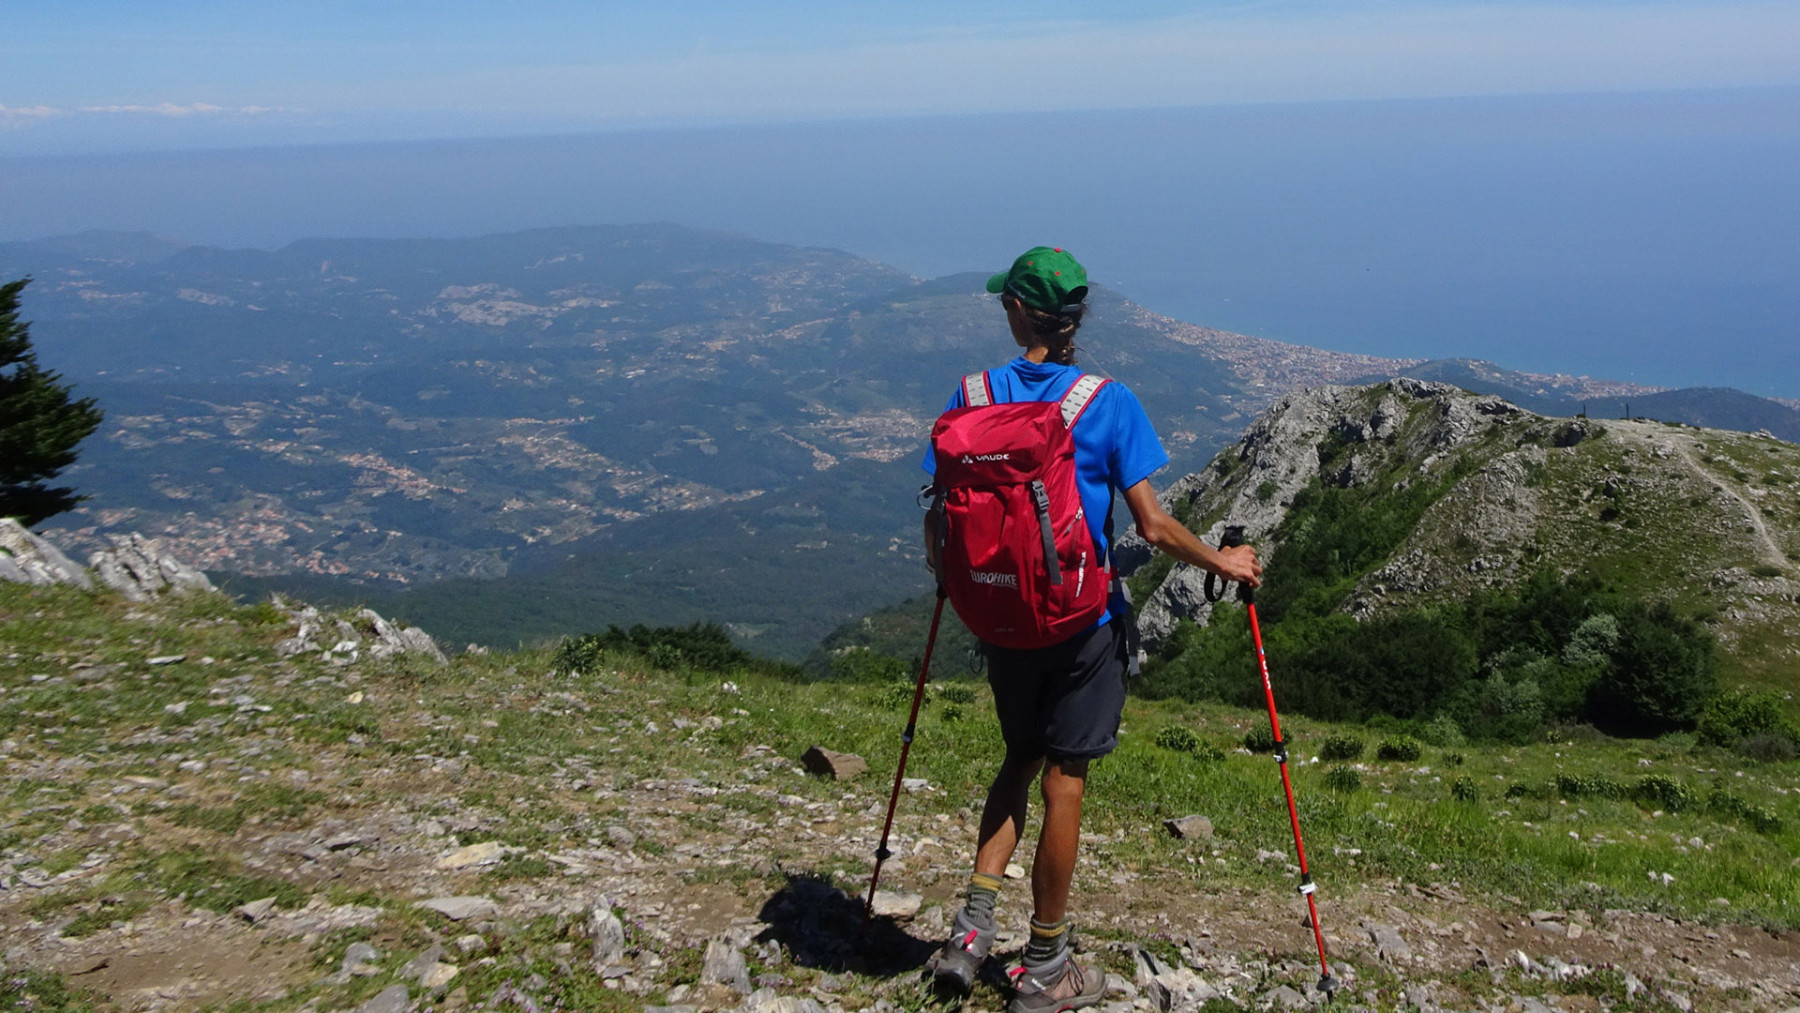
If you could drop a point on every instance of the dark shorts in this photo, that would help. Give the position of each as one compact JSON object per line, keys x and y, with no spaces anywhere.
{"x":1063,"y":701}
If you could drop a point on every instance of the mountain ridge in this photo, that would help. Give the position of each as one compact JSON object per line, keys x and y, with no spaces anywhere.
{"x":1707,"y":521}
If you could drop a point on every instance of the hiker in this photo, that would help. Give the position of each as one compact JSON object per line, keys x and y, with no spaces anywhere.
{"x":1059,"y":705}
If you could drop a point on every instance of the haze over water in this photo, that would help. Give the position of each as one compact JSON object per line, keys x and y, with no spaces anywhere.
{"x":1647,"y":237}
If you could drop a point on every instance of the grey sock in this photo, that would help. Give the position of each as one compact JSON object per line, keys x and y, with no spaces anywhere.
{"x":984,"y":893}
{"x":1049,"y":941}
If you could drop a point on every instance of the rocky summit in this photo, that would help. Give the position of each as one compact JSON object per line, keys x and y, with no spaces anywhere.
{"x":1707,"y":519}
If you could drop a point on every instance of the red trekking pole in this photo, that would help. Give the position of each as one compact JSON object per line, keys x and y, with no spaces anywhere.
{"x":912,"y":720}
{"x":1234,"y":536}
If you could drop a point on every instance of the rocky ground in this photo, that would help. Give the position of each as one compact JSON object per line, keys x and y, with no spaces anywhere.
{"x":670,"y":872}
{"x":272,"y":809}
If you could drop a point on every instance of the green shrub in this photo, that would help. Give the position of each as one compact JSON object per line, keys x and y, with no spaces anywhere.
{"x":1179,"y":739}
{"x":1659,"y":791}
{"x":1768,"y":748}
{"x":1341,"y":778}
{"x":519,"y":866}
{"x":1724,"y":803}
{"x":1570,"y":433}
{"x":1499,"y":710}
{"x":1584,"y":734}
{"x":1260,"y":740}
{"x":1183,"y":740}
{"x":578,"y":654}
{"x":1523,"y":789}
{"x":1463,"y":789}
{"x":1728,"y":719}
{"x":1336,"y":668}
{"x":262,"y":614}
{"x":1443,"y":730}
{"x":1662,"y":673}
{"x":704,"y":646}
{"x":895,"y":695}
{"x":1404,"y":749}
{"x":955,"y":692}
{"x":1593,"y":642}
{"x":1590,"y":786}
{"x":1341,"y":747}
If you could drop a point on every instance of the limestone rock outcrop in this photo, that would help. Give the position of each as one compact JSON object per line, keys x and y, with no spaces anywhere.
{"x":137,"y":567}
{"x":141,"y":569}
{"x":342,"y":641}
{"x":27,"y":559}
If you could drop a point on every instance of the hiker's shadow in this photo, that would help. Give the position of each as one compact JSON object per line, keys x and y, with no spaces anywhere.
{"x":822,"y":927}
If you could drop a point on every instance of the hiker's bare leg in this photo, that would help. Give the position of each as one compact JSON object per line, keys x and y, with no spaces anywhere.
{"x":1054,"y":866}
{"x":1003,"y":815}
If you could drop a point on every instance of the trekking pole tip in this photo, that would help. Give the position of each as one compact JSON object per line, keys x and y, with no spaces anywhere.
{"x":1329,"y":985}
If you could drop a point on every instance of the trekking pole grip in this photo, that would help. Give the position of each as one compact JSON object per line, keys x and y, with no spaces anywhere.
{"x":1230,"y":538}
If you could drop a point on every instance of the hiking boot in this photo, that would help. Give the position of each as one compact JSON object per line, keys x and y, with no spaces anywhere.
{"x":1065,"y":986}
{"x":961,"y":957}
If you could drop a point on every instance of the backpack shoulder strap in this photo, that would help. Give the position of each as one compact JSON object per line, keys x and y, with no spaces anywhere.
{"x":1080,"y":395}
{"x":976,"y":391}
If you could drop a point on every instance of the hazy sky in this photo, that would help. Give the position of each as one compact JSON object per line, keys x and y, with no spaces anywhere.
{"x":1582,"y":186}
{"x":120,"y":75}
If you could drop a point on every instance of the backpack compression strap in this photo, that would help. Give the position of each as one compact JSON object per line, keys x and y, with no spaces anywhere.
{"x":1080,"y":394}
{"x":1074,"y":403}
{"x":976,"y":393}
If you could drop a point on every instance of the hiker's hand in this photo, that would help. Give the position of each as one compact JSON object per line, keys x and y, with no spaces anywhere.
{"x":1239,"y":564}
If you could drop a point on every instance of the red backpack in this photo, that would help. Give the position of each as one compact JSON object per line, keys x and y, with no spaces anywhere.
{"x":1014,"y":552}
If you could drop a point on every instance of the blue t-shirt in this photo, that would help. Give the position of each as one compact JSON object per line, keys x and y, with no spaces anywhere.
{"x":1115,"y":445}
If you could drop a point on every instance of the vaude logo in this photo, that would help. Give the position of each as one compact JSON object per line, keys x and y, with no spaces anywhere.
{"x":1010,"y":580}
{"x":985,"y":457}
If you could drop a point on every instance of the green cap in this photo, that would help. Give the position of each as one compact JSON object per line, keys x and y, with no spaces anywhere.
{"x":1044,"y":278}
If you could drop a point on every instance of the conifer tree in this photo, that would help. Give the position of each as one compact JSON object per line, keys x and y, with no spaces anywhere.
{"x":39,"y":423}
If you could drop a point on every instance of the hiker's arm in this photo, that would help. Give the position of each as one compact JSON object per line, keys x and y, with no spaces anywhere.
{"x":1171,"y":536}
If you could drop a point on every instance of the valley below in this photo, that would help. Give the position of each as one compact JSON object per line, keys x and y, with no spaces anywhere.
{"x":613,"y":424}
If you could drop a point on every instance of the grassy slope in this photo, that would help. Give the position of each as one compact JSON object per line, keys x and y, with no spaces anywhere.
{"x":527,"y":747}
